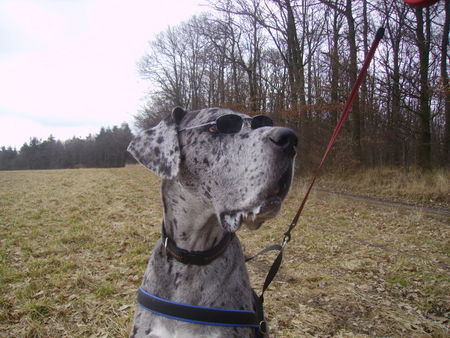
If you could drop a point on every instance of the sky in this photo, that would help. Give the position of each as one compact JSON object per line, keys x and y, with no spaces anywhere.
{"x":68,"y":67}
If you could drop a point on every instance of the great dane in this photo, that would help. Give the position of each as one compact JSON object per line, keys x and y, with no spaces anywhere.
{"x":220,"y":169}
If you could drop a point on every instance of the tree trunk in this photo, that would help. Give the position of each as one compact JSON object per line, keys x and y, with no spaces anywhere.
{"x":295,"y":57}
{"x":445,"y":85}
{"x":253,"y":69}
{"x":364,"y":102}
{"x":334,"y":62}
{"x":395,"y":34}
{"x":356,"y":114}
{"x":424,"y":113}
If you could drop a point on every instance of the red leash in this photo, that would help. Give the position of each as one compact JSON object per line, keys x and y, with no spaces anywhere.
{"x":337,"y":129}
{"x":287,"y":235}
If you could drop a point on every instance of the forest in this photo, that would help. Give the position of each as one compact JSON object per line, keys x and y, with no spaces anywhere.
{"x":296,"y":61}
{"x":105,"y":150}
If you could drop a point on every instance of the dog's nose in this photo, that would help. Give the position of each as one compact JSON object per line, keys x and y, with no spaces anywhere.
{"x":284,"y":139}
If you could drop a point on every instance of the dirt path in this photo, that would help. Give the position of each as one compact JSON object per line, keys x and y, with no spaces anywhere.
{"x":395,"y":204}
{"x":324,"y":193}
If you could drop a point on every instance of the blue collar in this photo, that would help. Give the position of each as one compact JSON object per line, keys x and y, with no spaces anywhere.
{"x":200,"y":314}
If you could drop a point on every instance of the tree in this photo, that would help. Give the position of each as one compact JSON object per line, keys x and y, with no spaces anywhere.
{"x":423,"y":40}
{"x":445,"y":85}
{"x":296,"y":60}
{"x":8,"y":157}
{"x":395,"y":29}
{"x":107,"y":149}
{"x":334,"y":62}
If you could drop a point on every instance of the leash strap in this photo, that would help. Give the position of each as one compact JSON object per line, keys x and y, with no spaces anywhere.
{"x":268,"y":249}
{"x":351,"y":98}
{"x":273,"y":269}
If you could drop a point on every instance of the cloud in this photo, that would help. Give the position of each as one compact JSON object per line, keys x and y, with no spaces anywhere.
{"x":73,"y":63}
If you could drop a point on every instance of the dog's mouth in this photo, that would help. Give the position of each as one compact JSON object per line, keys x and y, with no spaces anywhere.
{"x":269,"y":207}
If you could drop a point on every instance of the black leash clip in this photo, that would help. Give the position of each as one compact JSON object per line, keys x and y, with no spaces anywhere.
{"x":286,"y":239}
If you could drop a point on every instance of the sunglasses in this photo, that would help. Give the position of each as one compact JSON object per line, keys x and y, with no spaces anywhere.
{"x":231,"y":123}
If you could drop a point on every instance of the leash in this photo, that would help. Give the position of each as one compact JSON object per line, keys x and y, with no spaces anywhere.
{"x":287,"y":235}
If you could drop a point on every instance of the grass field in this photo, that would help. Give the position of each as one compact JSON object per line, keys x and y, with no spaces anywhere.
{"x":411,"y":186}
{"x":74,"y":245}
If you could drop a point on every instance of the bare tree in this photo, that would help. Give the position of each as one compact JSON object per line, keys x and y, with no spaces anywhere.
{"x":395,"y":29}
{"x":445,"y":85}
{"x":297,"y":60}
{"x":165,"y":66}
{"x":423,"y":41}
{"x":347,"y":11}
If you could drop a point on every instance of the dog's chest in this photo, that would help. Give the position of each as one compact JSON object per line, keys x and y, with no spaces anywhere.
{"x":160,"y":330}
{"x":216,"y":285}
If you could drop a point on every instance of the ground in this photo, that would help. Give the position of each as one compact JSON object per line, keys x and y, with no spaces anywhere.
{"x":74,"y":245}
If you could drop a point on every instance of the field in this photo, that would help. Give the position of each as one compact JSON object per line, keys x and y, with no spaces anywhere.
{"x":74,"y":245}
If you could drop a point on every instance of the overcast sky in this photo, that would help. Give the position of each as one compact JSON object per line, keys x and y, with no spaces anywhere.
{"x":68,"y":67}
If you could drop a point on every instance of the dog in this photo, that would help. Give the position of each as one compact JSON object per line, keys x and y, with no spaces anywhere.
{"x":220,"y":169}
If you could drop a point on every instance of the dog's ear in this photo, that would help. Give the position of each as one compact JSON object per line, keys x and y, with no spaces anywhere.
{"x":158,"y":148}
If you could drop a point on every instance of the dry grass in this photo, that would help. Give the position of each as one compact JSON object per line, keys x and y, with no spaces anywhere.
{"x":74,"y":245}
{"x":431,"y":188}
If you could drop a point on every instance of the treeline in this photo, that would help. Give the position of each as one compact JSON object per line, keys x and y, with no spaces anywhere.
{"x":104,"y":150}
{"x":296,"y":61}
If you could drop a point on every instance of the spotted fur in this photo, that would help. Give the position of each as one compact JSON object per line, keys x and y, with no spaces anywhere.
{"x":212,"y":183}
{"x":158,"y":148}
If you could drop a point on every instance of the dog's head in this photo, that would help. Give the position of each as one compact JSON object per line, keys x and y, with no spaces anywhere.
{"x":240,"y":167}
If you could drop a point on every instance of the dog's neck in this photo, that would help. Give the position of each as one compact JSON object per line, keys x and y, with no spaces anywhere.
{"x":190,"y":223}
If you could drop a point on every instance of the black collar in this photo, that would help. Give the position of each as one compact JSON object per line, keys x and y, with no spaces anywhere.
{"x":195,"y":257}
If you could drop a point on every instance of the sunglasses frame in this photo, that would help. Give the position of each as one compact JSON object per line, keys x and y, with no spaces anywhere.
{"x":234,"y":116}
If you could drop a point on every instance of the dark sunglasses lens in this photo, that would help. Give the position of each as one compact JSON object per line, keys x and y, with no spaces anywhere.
{"x":261,"y":121}
{"x":229,"y":124}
